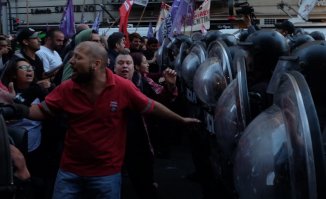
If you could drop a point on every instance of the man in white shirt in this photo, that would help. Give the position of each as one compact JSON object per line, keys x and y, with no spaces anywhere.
{"x":48,"y":53}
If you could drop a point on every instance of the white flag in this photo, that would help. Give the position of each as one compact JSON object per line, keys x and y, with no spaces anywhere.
{"x":306,"y":7}
{"x":163,"y":14}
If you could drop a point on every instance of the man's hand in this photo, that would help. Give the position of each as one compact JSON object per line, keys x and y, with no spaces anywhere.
{"x":247,"y":20}
{"x":45,"y":83}
{"x":190,"y":120}
{"x":6,"y":97}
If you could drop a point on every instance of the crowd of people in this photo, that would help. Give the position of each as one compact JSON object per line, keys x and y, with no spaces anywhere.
{"x":99,"y":105}
{"x":92,"y":108}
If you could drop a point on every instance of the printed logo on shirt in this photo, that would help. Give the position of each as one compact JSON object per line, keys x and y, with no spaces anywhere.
{"x":114,"y":106}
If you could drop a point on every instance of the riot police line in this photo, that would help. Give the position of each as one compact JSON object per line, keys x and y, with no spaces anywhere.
{"x":263,"y":112}
{"x":262,"y":104}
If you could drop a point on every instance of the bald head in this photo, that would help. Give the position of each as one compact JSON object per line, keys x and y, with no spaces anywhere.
{"x":81,"y":27}
{"x":94,"y":50}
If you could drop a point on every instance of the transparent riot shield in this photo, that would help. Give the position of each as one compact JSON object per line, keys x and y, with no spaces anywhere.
{"x":162,"y":56}
{"x":284,"y":64}
{"x":184,"y":49}
{"x":278,"y":155}
{"x":219,"y":49}
{"x":188,"y":69}
{"x":209,"y":81}
{"x":199,"y":49}
{"x":191,"y":62}
{"x":232,"y":111}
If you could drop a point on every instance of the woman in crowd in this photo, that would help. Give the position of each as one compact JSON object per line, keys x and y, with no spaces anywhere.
{"x":28,"y":92}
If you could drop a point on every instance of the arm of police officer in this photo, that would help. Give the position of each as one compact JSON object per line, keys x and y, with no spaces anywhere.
{"x":164,"y":112}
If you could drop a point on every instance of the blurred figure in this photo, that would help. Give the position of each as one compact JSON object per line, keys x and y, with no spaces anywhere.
{"x":135,"y":42}
{"x":116,"y":44}
{"x":144,"y":43}
{"x":150,"y":54}
{"x":104,"y":42}
{"x":317,"y":35}
{"x":4,"y":49}
{"x":286,"y":28}
{"x":49,"y":52}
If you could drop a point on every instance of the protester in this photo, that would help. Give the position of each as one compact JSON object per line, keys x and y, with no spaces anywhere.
{"x":3,"y":51}
{"x":28,"y":92}
{"x":139,"y":151}
{"x":150,"y":54}
{"x":139,"y":157}
{"x":84,"y":35}
{"x":135,"y":42}
{"x":116,"y":44}
{"x":96,"y":102}
{"x":49,"y":52}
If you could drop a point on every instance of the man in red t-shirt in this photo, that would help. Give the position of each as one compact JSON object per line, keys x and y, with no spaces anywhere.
{"x":95,"y":101}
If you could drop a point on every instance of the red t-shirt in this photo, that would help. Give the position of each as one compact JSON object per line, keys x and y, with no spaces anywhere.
{"x":96,"y":135}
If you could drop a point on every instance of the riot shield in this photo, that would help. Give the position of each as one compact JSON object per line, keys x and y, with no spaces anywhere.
{"x":197,"y":36}
{"x":184,"y":48}
{"x":162,"y":56}
{"x":191,"y":62}
{"x":209,"y":81}
{"x":188,"y":69}
{"x":278,"y":155}
{"x":284,"y":64}
{"x":232,"y":111}
{"x":220,"y":50}
{"x":199,"y":49}
{"x":212,"y":35}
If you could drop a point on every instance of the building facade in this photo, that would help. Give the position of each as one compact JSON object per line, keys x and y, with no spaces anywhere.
{"x":41,"y":13}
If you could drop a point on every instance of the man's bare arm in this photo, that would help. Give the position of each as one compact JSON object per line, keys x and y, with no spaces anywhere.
{"x":164,"y":112}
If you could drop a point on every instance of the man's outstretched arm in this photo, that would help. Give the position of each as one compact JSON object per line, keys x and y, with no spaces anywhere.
{"x":164,"y":112}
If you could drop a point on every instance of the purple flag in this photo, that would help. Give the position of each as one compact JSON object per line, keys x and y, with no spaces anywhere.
{"x":174,"y":8}
{"x":150,"y":31}
{"x":96,"y":24}
{"x":183,"y":16}
{"x":67,"y":24}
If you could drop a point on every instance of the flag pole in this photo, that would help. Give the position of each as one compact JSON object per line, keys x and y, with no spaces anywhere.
{"x":82,"y":15}
{"x":27,"y":13}
{"x":142,"y":14}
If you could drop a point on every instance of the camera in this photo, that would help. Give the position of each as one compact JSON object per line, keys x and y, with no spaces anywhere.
{"x":244,"y":9}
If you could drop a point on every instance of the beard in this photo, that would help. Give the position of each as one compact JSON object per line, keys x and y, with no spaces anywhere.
{"x":83,"y":78}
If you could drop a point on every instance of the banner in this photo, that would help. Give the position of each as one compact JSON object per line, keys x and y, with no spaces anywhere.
{"x":67,"y":24}
{"x":141,"y":2}
{"x":161,"y":25}
{"x":306,"y":7}
{"x":201,"y":18}
{"x":163,"y":14}
{"x":124,"y":12}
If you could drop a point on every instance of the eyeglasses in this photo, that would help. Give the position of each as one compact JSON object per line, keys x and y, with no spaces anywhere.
{"x":25,"y":67}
